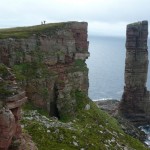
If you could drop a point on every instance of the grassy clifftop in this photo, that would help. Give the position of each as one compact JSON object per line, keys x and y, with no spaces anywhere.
{"x":24,"y":32}
{"x":92,"y":129}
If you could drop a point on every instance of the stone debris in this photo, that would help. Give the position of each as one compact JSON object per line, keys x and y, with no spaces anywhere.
{"x":48,"y":131}
{"x":61,"y":137}
{"x":87,"y":107}
{"x":74,"y":137}
{"x":75,"y":143}
{"x":47,"y":122}
{"x":111,"y":106}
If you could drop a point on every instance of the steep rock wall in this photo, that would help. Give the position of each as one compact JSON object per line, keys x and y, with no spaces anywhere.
{"x":49,"y":63}
{"x":135,"y":103}
{"x":11,"y":100}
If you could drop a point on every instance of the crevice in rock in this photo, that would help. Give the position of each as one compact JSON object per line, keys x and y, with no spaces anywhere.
{"x":53,"y":104}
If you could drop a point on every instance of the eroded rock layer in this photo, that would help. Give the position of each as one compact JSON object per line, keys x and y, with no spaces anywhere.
{"x":11,"y":100}
{"x":49,"y":63}
{"x":135,"y":103}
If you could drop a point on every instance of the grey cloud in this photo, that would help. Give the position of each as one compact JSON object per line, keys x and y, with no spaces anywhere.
{"x":111,"y":16}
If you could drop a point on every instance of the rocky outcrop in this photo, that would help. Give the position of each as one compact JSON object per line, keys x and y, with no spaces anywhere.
{"x":135,"y":103}
{"x":11,"y":100}
{"x":111,"y":106}
{"x":49,"y":63}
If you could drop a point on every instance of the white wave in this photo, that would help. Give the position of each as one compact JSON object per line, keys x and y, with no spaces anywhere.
{"x":146,"y":130}
{"x":103,"y":99}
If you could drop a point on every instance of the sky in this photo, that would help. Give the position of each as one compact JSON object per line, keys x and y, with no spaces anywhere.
{"x":104,"y":17}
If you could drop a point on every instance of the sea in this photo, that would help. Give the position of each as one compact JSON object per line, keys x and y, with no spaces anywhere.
{"x":106,"y":67}
{"x":106,"y":70}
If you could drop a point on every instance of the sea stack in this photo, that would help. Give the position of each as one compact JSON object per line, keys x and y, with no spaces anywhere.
{"x":135,"y":103}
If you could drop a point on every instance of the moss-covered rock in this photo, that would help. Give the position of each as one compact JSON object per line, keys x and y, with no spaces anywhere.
{"x":49,"y":63}
{"x":5,"y":83}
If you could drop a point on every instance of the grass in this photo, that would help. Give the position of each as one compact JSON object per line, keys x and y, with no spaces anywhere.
{"x":29,"y":106}
{"x":24,"y":32}
{"x":33,"y":70}
{"x":4,"y":83}
{"x":78,"y":65}
{"x":93,"y":130}
{"x":3,"y":71}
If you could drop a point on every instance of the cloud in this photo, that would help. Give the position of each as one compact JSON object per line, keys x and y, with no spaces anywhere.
{"x":107,"y":29}
{"x":104,"y":17}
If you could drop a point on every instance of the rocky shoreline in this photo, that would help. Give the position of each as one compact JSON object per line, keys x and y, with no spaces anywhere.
{"x":110,"y":106}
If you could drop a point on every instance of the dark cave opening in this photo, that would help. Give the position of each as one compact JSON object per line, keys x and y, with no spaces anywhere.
{"x":53,"y":104}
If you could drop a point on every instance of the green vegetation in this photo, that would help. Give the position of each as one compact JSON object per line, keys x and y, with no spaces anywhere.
{"x":36,"y":69}
{"x":24,"y":32}
{"x":92,"y":129}
{"x":3,"y":71}
{"x":79,"y":65}
{"x":4,"y":84}
{"x":29,"y":106}
{"x":32,"y":70}
{"x":4,"y":92}
{"x":29,"y":71}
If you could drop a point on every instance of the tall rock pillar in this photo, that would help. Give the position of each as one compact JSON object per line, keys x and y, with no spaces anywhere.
{"x":135,"y":103}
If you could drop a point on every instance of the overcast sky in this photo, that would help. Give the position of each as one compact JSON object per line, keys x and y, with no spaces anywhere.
{"x":104,"y":17}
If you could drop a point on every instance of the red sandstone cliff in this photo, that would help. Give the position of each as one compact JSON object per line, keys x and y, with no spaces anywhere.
{"x":49,"y":64}
{"x":135,"y":103}
{"x":11,"y":100}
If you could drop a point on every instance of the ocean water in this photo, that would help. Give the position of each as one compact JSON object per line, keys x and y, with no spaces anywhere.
{"x":106,"y":67}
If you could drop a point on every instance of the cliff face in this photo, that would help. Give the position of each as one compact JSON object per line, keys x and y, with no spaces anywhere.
{"x":49,"y":63}
{"x":11,"y":100}
{"x":135,"y":103}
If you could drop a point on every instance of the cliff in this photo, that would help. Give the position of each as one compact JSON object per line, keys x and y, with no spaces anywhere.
{"x":47,"y":64}
{"x":48,"y":61}
{"x":135,"y":103}
{"x":11,"y":100}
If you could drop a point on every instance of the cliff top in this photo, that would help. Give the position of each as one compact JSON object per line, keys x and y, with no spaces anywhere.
{"x":144,"y":22}
{"x":24,"y":32}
